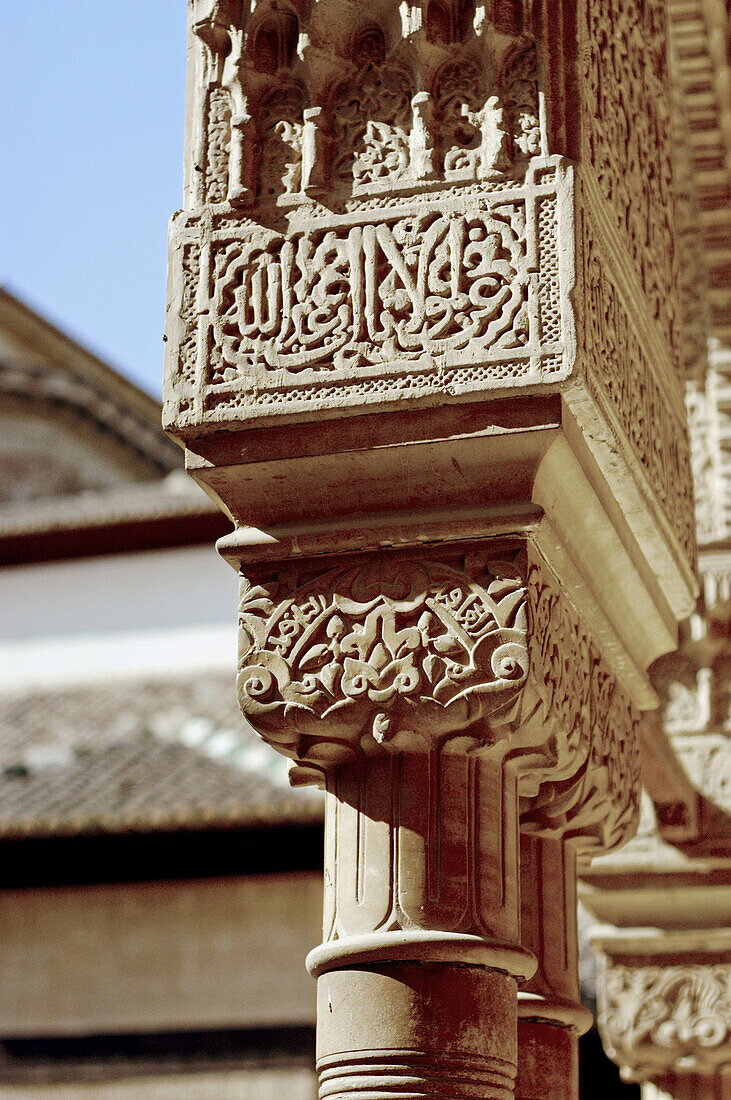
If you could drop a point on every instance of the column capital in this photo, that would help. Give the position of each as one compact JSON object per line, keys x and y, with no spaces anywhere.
{"x":476,"y":652}
{"x":665,"y":1004}
{"x":389,"y":653}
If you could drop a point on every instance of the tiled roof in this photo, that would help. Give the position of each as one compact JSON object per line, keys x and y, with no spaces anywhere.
{"x":173,"y":496}
{"x":138,"y":756}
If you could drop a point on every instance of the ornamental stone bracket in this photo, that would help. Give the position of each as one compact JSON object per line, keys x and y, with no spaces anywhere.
{"x":665,"y":1011}
{"x":423,"y":348}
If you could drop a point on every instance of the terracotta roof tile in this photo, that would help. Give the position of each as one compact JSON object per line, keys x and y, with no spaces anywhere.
{"x":134,"y":756}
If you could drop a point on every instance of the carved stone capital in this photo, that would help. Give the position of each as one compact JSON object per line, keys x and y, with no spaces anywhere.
{"x":667,"y":1019}
{"x":389,"y":653}
{"x":587,"y":787}
{"x":474,"y":654}
{"x":439,"y":700}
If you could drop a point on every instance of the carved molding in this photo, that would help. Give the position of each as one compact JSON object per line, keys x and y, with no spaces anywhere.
{"x":658,"y":1020}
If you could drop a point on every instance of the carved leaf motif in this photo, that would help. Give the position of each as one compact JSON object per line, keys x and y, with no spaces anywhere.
{"x":422,"y":642}
{"x":372,"y":127}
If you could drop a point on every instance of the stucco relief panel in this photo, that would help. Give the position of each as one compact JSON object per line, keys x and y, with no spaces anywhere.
{"x":645,"y":404}
{"x":627,"y":140}
{"x":458,"y":294}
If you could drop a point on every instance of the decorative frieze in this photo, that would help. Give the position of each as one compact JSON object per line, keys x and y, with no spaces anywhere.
{"x":462,"y":291}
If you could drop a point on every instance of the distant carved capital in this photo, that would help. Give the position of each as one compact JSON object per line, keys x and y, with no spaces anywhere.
{"x":660,"y":1020}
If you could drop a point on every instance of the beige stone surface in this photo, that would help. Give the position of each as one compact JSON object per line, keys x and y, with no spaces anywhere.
{"x":158,"y":956}
{"x":232,"y":1085}
{"x":425,"y":348}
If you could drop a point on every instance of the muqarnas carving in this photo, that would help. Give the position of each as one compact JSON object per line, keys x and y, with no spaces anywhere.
{"x":294,"y":101}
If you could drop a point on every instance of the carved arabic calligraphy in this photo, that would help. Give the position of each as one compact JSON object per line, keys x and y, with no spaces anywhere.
{"x":426,"y":284}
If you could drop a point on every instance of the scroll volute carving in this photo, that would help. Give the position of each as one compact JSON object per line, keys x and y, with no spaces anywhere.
{"x":585,"y":782}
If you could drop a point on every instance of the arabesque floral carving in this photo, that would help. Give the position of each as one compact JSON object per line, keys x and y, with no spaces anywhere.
{"x":390,"y":652}
{"x":399,"y":654}
{"x":588,"y":784}
{"x":628,"y":142}
{"x":666,"y":1019}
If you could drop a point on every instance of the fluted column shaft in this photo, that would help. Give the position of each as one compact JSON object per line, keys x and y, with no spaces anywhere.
{"x":417,"y":977}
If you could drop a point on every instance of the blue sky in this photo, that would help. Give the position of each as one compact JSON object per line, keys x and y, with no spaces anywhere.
{"x":92,"y":134}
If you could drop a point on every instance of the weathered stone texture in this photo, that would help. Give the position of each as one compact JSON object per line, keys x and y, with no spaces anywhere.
{"x":424,"y":345}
